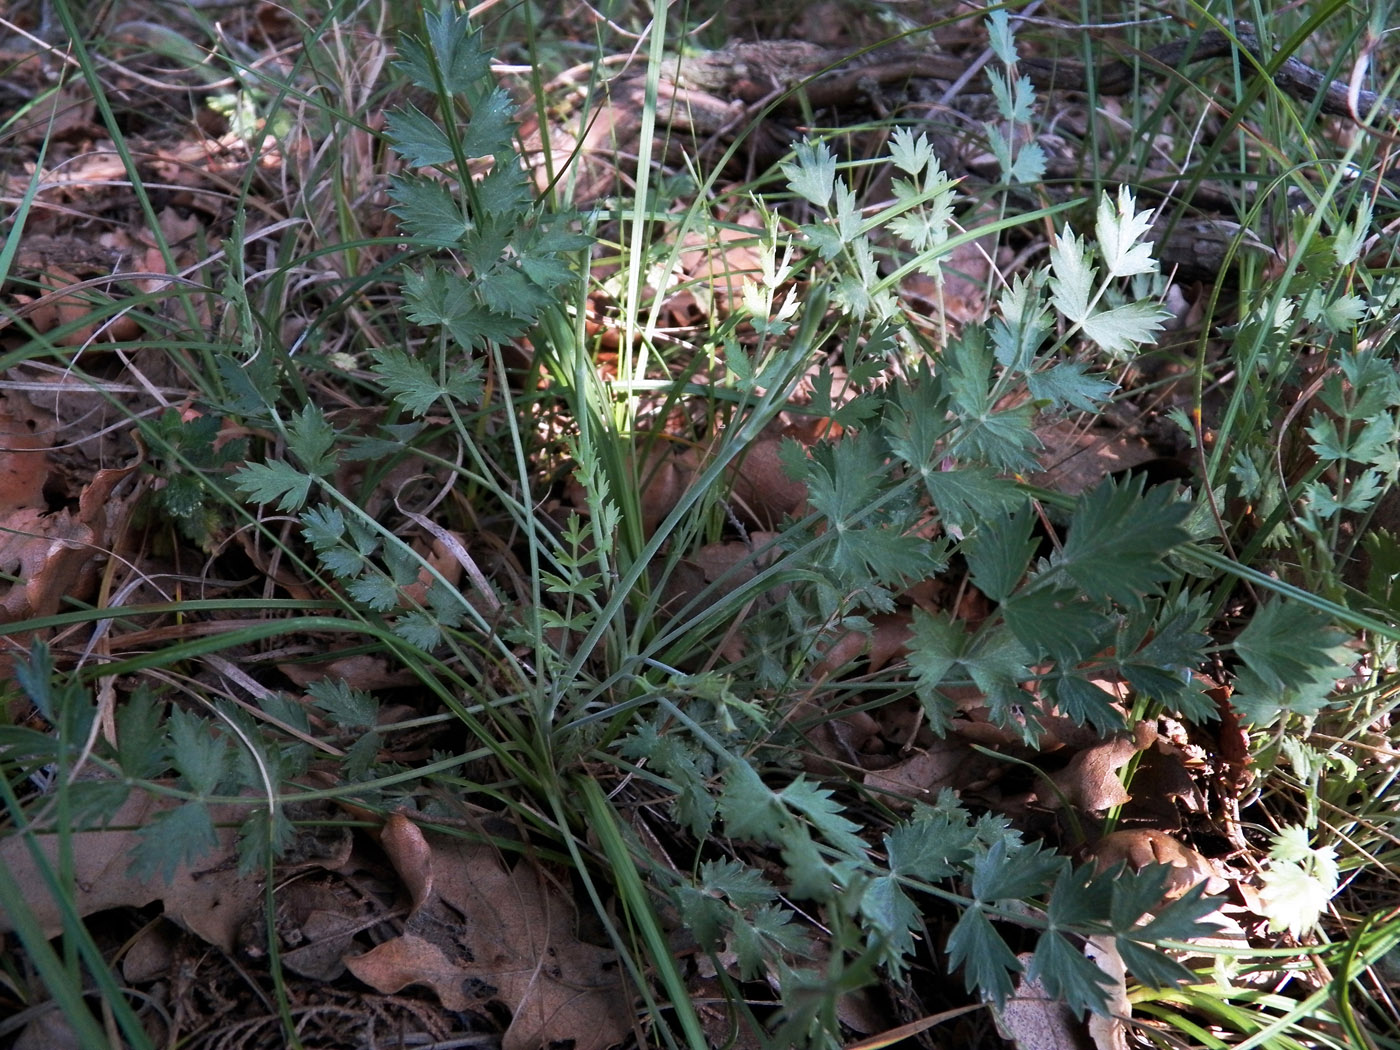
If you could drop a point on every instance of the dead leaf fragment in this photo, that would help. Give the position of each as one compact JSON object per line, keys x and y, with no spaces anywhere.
{"x":1076,"y":459}
{"x":211,"y":900}
{"x":488,"y":934}
{"x":54,"y":553}
{"x":329,"y":935}
{"x":408,"y":960}
{"x":950,"y":762}
{"x":24,"y":466}
{"x":1034,"y":1021}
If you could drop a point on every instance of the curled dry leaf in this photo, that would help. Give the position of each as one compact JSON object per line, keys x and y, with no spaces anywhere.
{"x":1110,"y":1031}
{"x":1090,"y":782}
{"x":833,"y":742}
{"x":407,"y":848}
{"x":734,"y":563}
{"x":53,"y":555}
{"x":666,"y":474}
{"x":728,"y":565}
{"x":209,"y":898}
{"x":1140,"y":847}
{"x":488,"y":934}
{"x":328,"y":936}
{"x":887,"y":642}
{"x":1162,"y":786}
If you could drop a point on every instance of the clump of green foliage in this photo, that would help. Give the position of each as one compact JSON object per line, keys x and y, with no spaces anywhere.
{"x":573,"y":667}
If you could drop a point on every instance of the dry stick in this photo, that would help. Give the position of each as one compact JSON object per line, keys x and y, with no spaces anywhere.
{"x":827,"y":76}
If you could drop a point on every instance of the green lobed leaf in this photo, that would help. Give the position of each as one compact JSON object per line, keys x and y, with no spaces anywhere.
{"x":311,"y":438}
{"x":1067,"y":975}
{"x":688,"y":768}
{"x":812,"y":174}
{"x":428,"y":211}
{"x":1118,"y":537}
{"x":275,"y":481}
{"x":915,"y":423}
{"x":1151,"y":967}
{"x":936,"y":646}
{"x":1159,"y":662}
{"x":262,"y":835}
{"x":1072,"y":278}
{"x":1080,"y":896}
{"x":1119,"y":229}
{"x":419,"y":629}
{"x":978,"y":950}
{"x":891,"y":919}
{"x":1287,"y":643}
{"x":999,"y":438}
{"x":374,"y":590}
{"x":1029,"y":164}
{"x":178,"y":837}
{"x":1134,"y":894}
{"x":843,"y":481}
{"x":1024,"y":324}
{"x":362,"y":756}
{"x":909,"y":153}
{"x":1001,"y":35}
{"x":1000,"y":551}
{"x":418,"y":138}
{"x":1015,"y":98}
{"x":1121,"y":330}
{"x":407,"y":380}
{"x":35,"y":676}
{"x":997,"y":665}
{"x":141,"y":746}
{"x":742,"y":886}
{"x":810,"y":875}
{"x":505,"y":191}
{"x":412,"y":384}
{"x":848,"y":411}
{"x":749,"y":807}
{"x":826,"y":815}
{"x":452,"y":52}
{"x":198,"y":752}
{"x":1183,"y":919}
{"x":931,"y":846}
{"x":1262,"y":703}
{"x":183,"y":495}
{"x":1084,"y":702}
{"x":1058,"y":622}
{"x":349,"y":708}
{"x":705,"y":917}
{"x":963,"y":495}
{"x":490,"y":131}
{"x":1013,"y":871}
{"x":759,"y":936}
{"x":1067,"y":386}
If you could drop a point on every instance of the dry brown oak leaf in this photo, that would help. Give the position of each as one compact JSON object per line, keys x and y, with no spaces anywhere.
{"x":484,"y":933}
